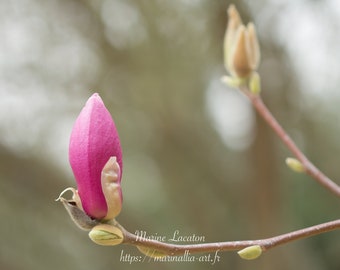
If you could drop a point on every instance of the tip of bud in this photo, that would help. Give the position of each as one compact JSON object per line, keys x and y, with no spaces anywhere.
{"x":106,"y":235}
{"x":232,"y":11}
{"x":295,"y":165}
{"x":250,"y":253}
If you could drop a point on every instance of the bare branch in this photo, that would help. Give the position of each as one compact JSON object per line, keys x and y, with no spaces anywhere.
{"x":265,"y":244}
{"x":310,"y":168}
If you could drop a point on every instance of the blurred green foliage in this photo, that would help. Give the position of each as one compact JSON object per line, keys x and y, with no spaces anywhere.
{"x":152,"y":62}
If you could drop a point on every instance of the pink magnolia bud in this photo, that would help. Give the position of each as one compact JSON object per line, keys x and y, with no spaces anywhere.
{"x":95,"y":144}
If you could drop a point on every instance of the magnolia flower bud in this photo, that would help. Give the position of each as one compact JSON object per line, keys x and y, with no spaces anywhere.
{"x":241,"y":48}
{"x":96,"y":159}
{"x":94,"y":140}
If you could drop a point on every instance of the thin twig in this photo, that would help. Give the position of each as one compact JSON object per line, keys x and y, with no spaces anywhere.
{"x":310,"y":168}
{"x":265,"y":244}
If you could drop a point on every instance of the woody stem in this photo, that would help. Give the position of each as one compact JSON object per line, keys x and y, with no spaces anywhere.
{"x":309,"y":167}
{"x":265,"y":244}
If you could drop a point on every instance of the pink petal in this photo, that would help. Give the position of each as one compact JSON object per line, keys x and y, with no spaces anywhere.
{"x":93,"y":141}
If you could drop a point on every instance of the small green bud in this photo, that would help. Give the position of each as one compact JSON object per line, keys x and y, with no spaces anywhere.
{"x":106,"y":235}
{"x":153,"y":253}
{"x":234,"y":82}
{"x":295,"y":165}
{"x":255,"y":83}
{"x":250,"y":253}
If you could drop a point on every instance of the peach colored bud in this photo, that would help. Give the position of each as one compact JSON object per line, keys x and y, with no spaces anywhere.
{"x":241,"y":48}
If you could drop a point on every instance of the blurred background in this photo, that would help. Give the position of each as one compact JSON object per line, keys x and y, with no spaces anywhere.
{"x":196,"y":156}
